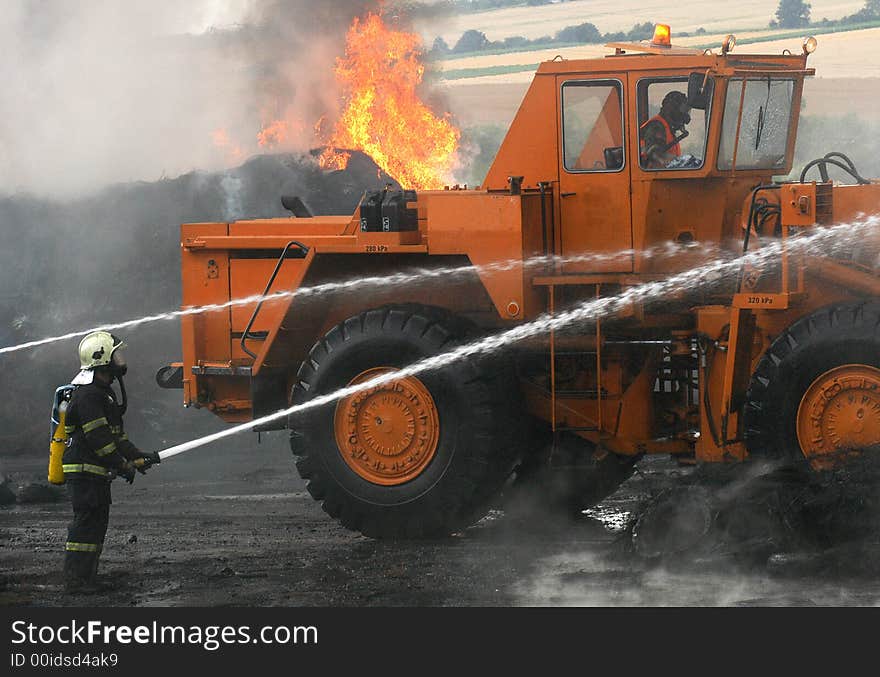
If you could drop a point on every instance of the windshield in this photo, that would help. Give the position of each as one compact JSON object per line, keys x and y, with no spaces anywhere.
{"x":766,"y":114}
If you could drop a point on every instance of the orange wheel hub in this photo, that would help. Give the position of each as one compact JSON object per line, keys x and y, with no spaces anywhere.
{"x":839,"y":414}
{"x":387,"y":434}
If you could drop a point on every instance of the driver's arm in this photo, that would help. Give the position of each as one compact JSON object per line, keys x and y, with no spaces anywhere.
{"x":655,"y":140}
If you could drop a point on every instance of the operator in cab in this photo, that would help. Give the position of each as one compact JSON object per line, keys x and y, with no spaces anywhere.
{"x":98,"y":450}
{"x":659,"y":137}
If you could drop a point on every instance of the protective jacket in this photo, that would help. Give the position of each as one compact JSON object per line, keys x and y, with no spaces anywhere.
{"x":98,"y":442}
{"x":675,"y":149}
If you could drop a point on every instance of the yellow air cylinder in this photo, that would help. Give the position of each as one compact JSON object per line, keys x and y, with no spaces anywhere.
{"x":57,"y":447}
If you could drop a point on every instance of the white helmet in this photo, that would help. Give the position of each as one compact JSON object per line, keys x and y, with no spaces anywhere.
{"x":96,"y":349}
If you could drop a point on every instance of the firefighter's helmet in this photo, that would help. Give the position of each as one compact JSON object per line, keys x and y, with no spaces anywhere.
{"x":97,"y":348}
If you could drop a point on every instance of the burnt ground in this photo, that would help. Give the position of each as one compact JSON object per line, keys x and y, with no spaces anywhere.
{"x":234,"y":526}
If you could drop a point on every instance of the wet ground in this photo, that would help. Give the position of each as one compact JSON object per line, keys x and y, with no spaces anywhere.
{"x":235,"y":527}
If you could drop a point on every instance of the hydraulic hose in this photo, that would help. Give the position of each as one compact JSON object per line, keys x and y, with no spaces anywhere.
{"x":757,"y":189}
{"x":845,"y":165}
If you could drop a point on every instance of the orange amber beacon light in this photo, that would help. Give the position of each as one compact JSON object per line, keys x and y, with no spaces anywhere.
{"x":662,"y":36}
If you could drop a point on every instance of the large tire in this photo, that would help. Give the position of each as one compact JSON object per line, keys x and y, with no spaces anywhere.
{"x":828,"y":361}
{"x":475,"y":422}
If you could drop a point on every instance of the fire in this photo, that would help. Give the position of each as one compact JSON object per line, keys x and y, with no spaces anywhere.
{"x":274,"y":134}
{"x":383,"y":115}
{"x":334,"y":159}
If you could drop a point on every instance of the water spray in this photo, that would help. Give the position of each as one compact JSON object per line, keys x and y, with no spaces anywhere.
{"x":418,"y":275}
{"x":828,"y":239}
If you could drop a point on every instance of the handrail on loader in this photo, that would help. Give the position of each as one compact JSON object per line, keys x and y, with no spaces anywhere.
{"x":247,"y":330}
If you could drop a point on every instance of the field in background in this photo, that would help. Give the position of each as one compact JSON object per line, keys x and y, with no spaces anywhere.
{"x":715,"y":16}
{"x":842,"y":54}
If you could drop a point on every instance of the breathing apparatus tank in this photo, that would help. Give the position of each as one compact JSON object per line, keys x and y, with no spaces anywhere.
{"x":59,"y":433}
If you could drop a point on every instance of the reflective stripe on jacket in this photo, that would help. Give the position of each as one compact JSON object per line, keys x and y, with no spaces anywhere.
{"x":97,"y":440}
{"x":87,"y":468}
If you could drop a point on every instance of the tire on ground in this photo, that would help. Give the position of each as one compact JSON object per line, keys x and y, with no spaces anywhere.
{"x":478,"y":413}
{"x":831,"y":337}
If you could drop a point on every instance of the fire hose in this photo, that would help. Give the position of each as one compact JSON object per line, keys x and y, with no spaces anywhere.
{"x":586,"y":311}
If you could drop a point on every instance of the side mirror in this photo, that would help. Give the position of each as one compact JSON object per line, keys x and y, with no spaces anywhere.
{"x":698,"y":95}
{"x":613,"y":157}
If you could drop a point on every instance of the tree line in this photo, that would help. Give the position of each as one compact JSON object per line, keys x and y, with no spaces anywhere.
{"x":585,"y":33}
{"x":789,"y":14}
{"x":796,"y":14}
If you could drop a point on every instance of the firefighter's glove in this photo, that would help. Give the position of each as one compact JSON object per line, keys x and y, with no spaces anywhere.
{"x":147,"y":461}
{"x":127,"y":471}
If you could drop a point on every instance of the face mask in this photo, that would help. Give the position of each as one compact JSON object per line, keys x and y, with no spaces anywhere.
{"x":680,"y":115}
{"x":117,"y":364}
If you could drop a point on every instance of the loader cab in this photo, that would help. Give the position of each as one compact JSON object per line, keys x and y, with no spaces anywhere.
{"x":605,"y":163}
{"x":581,"y":129}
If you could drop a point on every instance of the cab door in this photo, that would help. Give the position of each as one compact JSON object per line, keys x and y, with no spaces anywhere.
{"x":594,"y":176}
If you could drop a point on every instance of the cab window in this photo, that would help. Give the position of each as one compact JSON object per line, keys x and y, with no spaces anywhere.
{"x":672,"y":135}
{"x":592,"y":126}
{"x":765,"y":124}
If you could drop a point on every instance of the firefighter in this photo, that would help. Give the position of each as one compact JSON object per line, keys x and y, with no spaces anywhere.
{"x":98,"y":449}
{"x":658,"y":144}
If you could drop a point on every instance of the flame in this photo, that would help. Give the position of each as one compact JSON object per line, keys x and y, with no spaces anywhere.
{"x":335,"y":159}
{"x":274,"y":134}
{"x":383,"y":115}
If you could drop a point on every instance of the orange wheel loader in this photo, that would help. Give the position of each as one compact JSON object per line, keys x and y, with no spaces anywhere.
{"x":583,"y":201}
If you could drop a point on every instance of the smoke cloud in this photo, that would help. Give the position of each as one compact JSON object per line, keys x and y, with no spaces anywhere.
{"x":137,"y":95}
{"x":97,"y":92}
